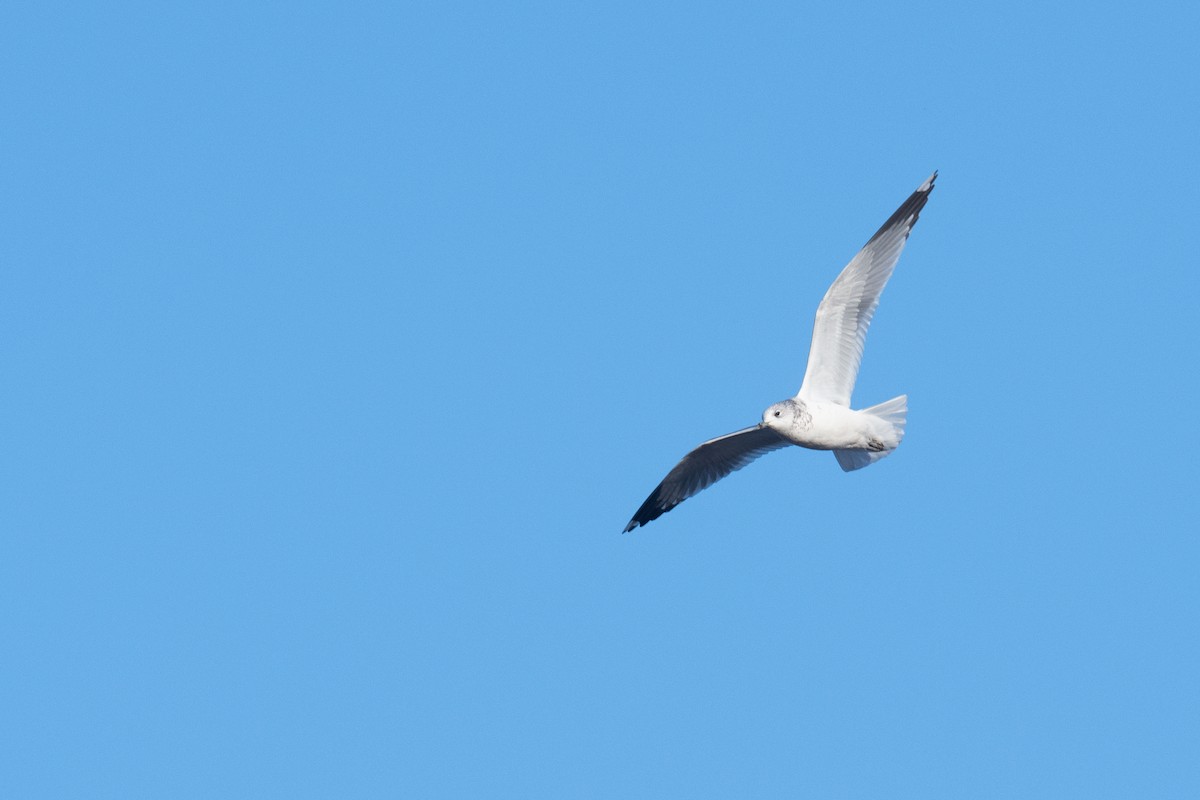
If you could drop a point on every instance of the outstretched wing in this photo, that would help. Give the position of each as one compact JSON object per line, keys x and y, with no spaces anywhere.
{"x":845,"y":313}
{"x":704,"y":466}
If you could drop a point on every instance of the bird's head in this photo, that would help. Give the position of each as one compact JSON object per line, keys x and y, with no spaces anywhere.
{"x":783,"y":415}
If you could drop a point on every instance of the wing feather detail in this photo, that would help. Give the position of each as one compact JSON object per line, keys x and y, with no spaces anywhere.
{"x":704,"y":466}
{"x":845,"y":313}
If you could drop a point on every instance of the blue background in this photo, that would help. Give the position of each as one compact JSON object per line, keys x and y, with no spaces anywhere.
{"x":339,"y":342}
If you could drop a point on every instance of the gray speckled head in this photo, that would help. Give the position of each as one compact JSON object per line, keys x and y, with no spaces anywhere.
{"x":787,"y":414}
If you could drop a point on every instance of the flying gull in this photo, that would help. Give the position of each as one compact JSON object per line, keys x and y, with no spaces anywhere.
{"x":819,"y":417}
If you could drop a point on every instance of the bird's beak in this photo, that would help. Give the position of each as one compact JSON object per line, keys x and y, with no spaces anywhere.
{"x":762,"y":424}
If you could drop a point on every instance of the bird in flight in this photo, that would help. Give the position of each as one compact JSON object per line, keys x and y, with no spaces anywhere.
{"x":819,"y":417}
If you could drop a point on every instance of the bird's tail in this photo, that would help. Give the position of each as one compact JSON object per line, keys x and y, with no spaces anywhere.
{"x":893,"y":413}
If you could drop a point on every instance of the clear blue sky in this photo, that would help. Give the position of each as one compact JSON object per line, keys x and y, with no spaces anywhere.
{"x":339,"y":342}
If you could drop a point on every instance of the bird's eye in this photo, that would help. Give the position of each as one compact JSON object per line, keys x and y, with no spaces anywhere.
{"x":777,"y":413}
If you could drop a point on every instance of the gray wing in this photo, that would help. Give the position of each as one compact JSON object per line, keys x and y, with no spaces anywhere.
{"x":704,"y":466}
{"x":845,"y":312}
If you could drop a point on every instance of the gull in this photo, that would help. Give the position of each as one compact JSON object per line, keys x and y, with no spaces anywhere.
{"x":819,"y":417}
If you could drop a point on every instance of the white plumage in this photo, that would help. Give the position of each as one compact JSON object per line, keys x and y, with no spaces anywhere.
{"x":819,"y":417}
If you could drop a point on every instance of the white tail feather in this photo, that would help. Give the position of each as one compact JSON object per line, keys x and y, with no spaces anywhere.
{"x":892,"y":412}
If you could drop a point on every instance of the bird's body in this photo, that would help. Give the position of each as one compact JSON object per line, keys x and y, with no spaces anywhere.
{"x":828,"y":426}
{"x":819,"y":417}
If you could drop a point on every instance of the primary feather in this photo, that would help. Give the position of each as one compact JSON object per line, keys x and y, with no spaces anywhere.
{"x":704,"y":466}
{"x":845,"y":313}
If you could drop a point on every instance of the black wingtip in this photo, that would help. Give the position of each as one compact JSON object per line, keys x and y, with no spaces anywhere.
{"x":909,"y":211}
{"x":650,"y":510}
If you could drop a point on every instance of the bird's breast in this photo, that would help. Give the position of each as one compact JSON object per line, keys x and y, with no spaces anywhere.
{"x":824,"y":427}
